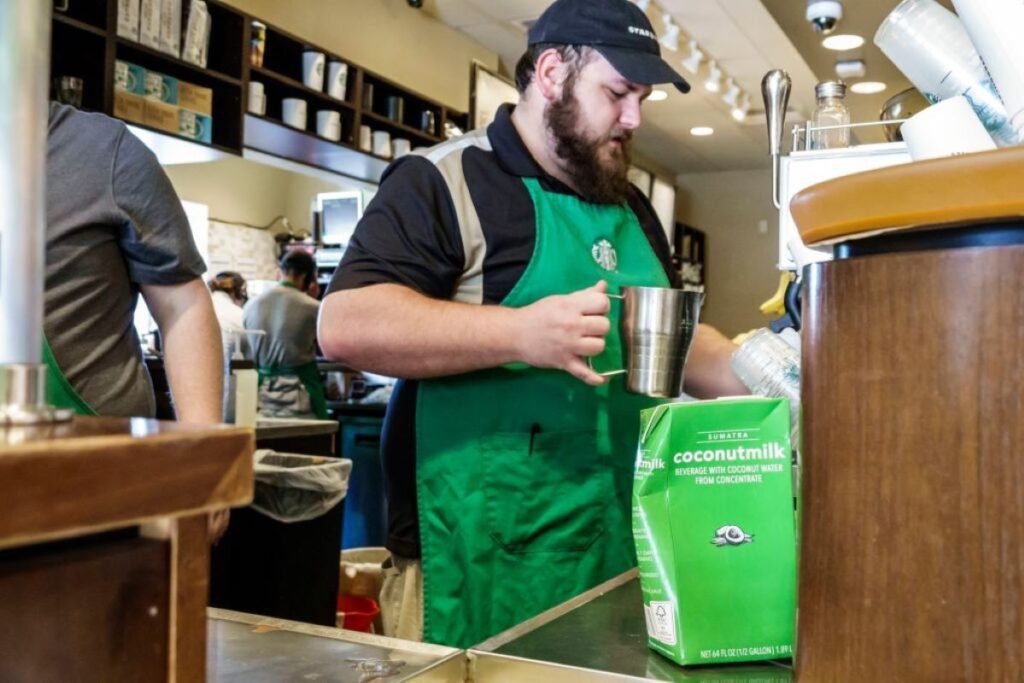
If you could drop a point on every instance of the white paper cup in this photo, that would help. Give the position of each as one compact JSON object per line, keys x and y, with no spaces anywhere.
{"x":930,"y":45}
{"x":328,"y":125}
{"x":382,"y":143}
{"x":400,"y":147}
{"x":337,"y":80}
{"x":365,"y":138}
{"x":257,"y":98}
{"x":313,"y":69}
{"x":946,"y":129}
{"x":293,"y":112}
{"x":995,"y":29}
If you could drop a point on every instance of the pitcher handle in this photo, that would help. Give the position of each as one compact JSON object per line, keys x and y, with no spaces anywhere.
{"x":590,"y":361}
{"x":607,"y":373}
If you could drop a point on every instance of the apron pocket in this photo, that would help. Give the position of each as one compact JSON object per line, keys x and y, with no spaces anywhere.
{"x":545,"y":492}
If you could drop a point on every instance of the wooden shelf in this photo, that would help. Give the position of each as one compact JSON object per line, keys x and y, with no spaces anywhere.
{"x":299,"y":87}
{"x":79,"y":24}
{"x":176,"y":62}
{"x":219,"y":148}
{"x":273,"y":137}
{"x":408,"y":130}
{"x":86,"y":45}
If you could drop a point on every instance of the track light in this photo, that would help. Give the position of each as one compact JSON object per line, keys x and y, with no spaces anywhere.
{"x":732,"y":93}
{"x":693,"y":62}
{"x":714,"y":81}
{"x":670,"y":39}
{"x":742,"y":108}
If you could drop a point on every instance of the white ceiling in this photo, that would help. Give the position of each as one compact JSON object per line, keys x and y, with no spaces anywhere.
{"x":740,"y":34}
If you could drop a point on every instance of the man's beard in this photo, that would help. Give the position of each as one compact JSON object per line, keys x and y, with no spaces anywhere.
{"x":601,"y":181}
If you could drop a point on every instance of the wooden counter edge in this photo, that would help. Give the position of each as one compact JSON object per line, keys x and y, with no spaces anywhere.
{"x":72,"y":486}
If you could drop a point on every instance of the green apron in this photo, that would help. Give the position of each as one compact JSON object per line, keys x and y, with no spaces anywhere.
{"x":309,"y":375}
{"x":524,"y":475}
{"x":59,"y":391}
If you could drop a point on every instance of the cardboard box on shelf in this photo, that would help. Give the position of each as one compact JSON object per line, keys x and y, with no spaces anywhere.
{"x":129,"y":77}
{"x":195,"y":126}
{"x":170,"y":27}
{"x":128,"y":19}
{"x":161,"y":88}
{"x":161,"y":116}
{"x":195,"y":98}
{"x":149,"y":23}
{"x":129,"y":106}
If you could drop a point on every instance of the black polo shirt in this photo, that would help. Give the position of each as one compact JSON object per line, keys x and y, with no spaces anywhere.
{"x":410,"y":236}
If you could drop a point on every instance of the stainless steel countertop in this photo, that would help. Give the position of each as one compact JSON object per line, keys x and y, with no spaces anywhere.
{"x":286,"y":427}
{"x":244,"y":648}
{"x":599,"y":636}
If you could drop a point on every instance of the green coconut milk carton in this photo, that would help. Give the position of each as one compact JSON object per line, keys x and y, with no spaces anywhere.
{"x":715,"y":530}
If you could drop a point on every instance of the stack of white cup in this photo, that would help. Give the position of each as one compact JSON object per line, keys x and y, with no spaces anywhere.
{"x":931,"y":47}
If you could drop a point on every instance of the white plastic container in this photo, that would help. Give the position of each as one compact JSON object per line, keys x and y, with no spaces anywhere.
{"x":995,"y":28}
{"x":930,"y":45}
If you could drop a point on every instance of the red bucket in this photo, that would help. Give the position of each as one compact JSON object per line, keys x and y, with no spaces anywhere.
{"x":356,"y":614}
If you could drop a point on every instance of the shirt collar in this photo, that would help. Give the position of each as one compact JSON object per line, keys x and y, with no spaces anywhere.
{"x":513,"y":155}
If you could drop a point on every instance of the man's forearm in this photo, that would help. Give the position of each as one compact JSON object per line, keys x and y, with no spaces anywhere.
{"x":708,"y":371}
{"x":392,"y":330}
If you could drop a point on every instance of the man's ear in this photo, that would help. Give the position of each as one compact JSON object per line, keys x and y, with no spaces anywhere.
{"x":549,"y":74}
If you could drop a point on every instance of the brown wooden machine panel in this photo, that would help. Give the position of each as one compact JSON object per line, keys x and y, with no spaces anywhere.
{"x":912,"y":547}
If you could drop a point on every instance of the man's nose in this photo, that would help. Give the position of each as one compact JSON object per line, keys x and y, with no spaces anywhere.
{"x":630,"y":118}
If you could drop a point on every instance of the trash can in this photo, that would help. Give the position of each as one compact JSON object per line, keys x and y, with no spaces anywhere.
{"x":279,"y":557}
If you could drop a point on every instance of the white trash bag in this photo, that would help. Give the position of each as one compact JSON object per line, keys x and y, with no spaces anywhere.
{"x":295,"y":488}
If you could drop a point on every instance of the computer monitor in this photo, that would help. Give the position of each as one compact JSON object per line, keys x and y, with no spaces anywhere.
{"x":339,"y":212}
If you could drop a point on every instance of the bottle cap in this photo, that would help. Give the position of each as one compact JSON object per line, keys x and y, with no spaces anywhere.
{"x":830,"y":89}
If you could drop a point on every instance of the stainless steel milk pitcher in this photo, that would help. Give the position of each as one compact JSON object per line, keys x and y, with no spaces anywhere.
{"x":657,"y":327}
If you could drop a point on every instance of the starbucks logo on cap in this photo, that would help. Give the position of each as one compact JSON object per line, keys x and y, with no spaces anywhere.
{"x":604,"y":254}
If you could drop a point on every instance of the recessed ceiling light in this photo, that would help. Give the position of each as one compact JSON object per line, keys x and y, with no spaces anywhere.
{"x":868,"y":87}
{"x":845,"y":41}
{"x":702,"y":131}
{"x":658,"y":95}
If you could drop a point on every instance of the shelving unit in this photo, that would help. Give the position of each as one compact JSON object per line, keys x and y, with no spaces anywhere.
{"x":86,"y":45}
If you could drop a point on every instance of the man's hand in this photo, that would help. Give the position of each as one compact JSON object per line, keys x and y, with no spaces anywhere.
{"x":561,"y":331}
{"x":217,"y":525}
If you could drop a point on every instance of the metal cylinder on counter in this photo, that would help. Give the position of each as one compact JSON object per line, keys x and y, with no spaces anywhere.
{"x":24,"y":69}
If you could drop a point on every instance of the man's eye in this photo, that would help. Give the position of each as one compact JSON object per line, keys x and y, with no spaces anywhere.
{"x":618,"y":95}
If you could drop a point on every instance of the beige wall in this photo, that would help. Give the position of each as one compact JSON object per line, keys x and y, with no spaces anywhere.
{"x":236,"y":190}
{"x":385,"y":36}
{"x":243,"y":191}
{"x":741,"y":259}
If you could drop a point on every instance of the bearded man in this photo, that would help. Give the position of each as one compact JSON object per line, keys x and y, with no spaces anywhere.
{"x":479,"y":275}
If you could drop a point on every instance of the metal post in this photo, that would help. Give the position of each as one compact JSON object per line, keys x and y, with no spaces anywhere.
{"x":24,"y":82}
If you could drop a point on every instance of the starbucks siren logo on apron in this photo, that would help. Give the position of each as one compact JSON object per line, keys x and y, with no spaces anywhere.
{"x":604,"y":253}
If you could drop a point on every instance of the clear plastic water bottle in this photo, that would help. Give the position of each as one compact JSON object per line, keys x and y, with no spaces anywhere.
{"x":831,"y":111}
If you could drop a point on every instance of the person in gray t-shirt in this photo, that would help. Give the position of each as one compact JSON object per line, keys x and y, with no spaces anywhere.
{"x":290,"y":384}
{"x":115,"y":228}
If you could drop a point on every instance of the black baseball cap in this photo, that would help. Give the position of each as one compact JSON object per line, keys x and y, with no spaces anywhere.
{"x":617,"y":29}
